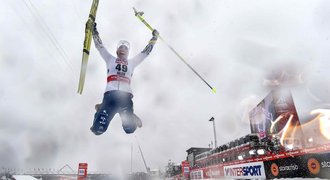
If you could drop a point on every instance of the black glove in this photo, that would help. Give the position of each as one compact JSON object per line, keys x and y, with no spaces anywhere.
{"x":95,"y":32}
{"x":155,"y":33}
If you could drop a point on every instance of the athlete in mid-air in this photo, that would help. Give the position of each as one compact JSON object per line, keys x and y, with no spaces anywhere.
{"x":118,"y":93}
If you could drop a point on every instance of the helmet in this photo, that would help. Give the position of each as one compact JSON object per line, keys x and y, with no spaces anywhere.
{"x":123,"y":43}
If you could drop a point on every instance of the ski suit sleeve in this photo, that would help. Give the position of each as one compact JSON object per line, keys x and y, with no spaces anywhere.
{"x":100,"y":47}
{"x":145,"y":52}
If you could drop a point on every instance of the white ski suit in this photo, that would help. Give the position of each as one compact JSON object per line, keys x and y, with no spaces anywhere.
{"x":120,"y":72}
{"x":118,"y":93}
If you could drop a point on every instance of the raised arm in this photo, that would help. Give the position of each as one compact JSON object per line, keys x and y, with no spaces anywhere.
{"x":99,"y":45}
{"x":146,"y":51}
{"x":151,"y":43}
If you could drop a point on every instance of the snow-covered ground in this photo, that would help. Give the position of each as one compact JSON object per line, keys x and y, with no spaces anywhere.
{"x":24,"y":177}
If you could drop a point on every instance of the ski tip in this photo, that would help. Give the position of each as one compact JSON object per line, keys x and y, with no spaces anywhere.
{"x":214,"y":90}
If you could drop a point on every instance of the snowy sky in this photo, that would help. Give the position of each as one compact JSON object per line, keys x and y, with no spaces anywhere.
{"x":236,"y":45}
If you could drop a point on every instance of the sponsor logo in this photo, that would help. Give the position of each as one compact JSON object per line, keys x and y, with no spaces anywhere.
{"x":120,"y":61}
{"x":244,"y":171}
{"x":291,"y":167}
{"x":325,"y":164}
{"x":314,"y":166}
{"x":212,"y":173}
{"x":274,"y":169}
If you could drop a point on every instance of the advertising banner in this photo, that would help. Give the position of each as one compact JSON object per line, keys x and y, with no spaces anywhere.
{"x":271,"y":115}
{"x":82,"y":171}
{"x":286,"y":168}
{"x":318,"y":165}
{"x":214,"y":172}
{"x":197,"y":174}
{"x":185,"y":168}
{"x":245,"y":171}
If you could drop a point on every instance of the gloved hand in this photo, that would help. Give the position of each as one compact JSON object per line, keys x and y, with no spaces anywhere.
{"x":95,"y":32}
{"x":155,"y":33}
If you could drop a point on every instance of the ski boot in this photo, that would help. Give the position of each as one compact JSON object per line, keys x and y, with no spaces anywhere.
{"x":137,"y":120}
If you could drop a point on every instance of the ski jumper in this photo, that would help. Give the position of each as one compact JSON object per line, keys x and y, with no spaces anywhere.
{"x":118,"y":93}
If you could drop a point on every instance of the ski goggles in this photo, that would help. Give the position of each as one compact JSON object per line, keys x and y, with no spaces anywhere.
{"x":123,"y":43}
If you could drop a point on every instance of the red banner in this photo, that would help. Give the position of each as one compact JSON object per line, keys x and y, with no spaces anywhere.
{"x":185,"y":167}
{"x":82,"y":171}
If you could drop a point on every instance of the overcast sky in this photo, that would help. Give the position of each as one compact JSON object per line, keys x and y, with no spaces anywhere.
{"x":239,"y":47}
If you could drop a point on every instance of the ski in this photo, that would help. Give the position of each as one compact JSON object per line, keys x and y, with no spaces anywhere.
{"x":87,"y":44}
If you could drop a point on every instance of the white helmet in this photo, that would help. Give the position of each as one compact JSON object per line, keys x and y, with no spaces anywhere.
{"x":123,"y":43}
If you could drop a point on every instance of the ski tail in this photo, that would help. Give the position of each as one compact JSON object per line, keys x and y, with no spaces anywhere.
{"x":83,"y":71}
